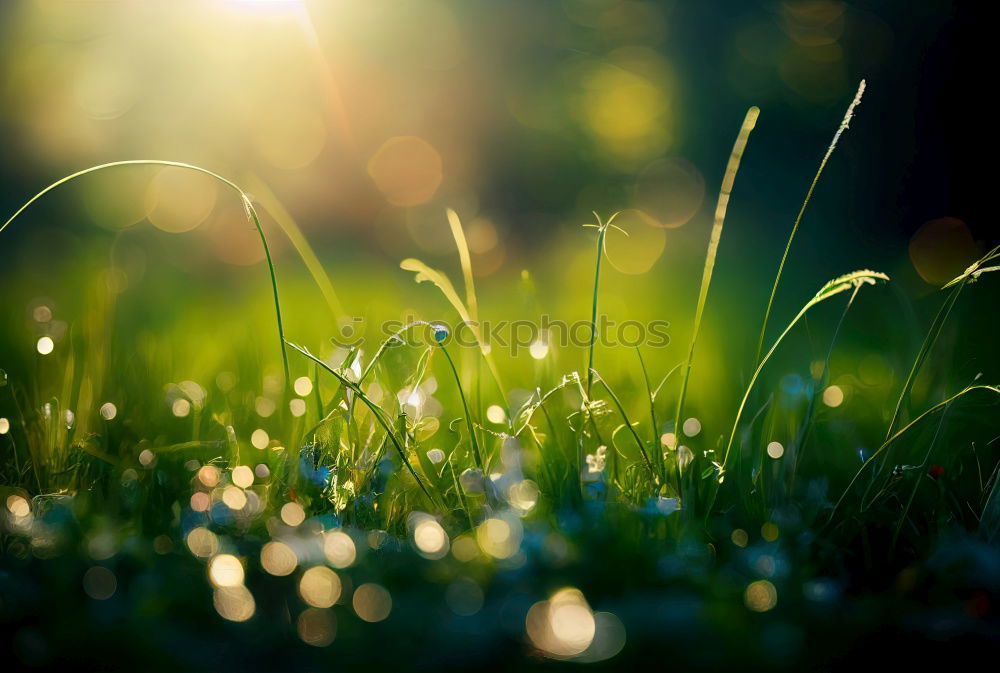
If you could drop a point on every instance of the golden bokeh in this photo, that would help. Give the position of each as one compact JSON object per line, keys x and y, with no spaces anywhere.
{"x":670,"y":191}
{"x":760,"y":596}
{"x":225,"y":570}
{"x":638,"y":245}
{"x":407,"y":170}
{"x":179,"y":200}
{"x":234,"y":603}
{"x":372,"y":602}
{"x":316,"y":627}
{"x":292,"y":513}
{"x":942,"y":249}
{"x":627,"y":106}
{"x":278,"y":559}
{"x":242,"y":476}
{"x":430,"y":538}
{"x":202,"y":542}
{"x":562,"y":626}
{"x":339,"y":549}
{"x":320,"y":587}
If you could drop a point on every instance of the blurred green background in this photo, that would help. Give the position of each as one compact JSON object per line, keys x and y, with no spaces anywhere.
{"x":360,"y":122}
{"x":357,"y":123}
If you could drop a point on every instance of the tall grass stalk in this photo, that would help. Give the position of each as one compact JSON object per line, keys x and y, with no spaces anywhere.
{"x":468,"y":414}
{"x":729,"y":178}
{"x":247,"y":205}
{"x":798,"y":218}
{"x":602,"y":231}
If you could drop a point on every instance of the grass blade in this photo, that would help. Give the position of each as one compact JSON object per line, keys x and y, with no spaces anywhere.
{"x":463,"y":255}
{"x":749,"y":121}
{"x":247,"y":205}
{"x":788,"y":246}
{"x":376,"y":410}
{"x":834,"y":287}
{"x":441,"y":281}
{"x":971,"y":274}
{"x":899,"y":433}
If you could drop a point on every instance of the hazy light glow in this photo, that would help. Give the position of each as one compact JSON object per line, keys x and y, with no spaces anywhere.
{"x":339,"y":549}
{"x":292,"y":513}
{"x":202,"y":542}
{"x":833,"y":396}
{"x":691,"y":427}
{"x":242,"y":476}
{"x":496,"y":414}
{"x":500,"y":537}
{"x":775,"y":450}
{"x":760,"y":596}
{"x":316,"y":627}
{"x":278,"y":559}
{"x":430,"y":539}
{"x":260,"y":439}
{"x":208,"y":475}
{"x":303,"y":386}
{"x":234,"y":603}
{"x":18,"y":506}
{"x":372,"y":602}
{"x":562,"y":626}
{"x":180,"y":407}
{"x":320,"y":587}
{"x":234,"y":498}
{"x":225,"y":570}
{"x":538,"y":350}
{"x":45,"y":345}
{"x":100,"y":583}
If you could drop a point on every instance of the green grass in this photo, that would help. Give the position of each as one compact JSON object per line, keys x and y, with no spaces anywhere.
{"x":575,"y":471}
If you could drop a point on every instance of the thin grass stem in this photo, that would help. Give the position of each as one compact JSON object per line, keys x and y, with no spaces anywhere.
{"x":732,"y":167}
{"x":798,"y":218}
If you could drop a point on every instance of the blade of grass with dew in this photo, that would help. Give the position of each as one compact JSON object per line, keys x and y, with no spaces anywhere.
{"x":728,"y":180}
{"x":812,"y":186}
{"x":247,"y":205}
{"x":832,"y":288}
